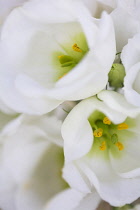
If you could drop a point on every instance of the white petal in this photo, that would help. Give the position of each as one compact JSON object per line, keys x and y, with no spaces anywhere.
{"x":123,"y":30}
{"x":131,"y":155}
{"x":111,"y":3}
{"x":12,"y":125}
{"x":6,"y":6}
{"x":131,"y":85}
{"x":105,"y":41}
{"x":44,"y":182}
{"x":108,"y":184}
{"x":7,"y":189}
{"x":21,"y":103}
{"x":51,"y":126}
{"x":91,"y":202}
{"x":91,"y":5}
{"x":4,"y":120}
{"x":79,"y":83}
{"x":73,"y":200}
{"x":28,"y":86}
{"x":71,"y":174}
{"x":23,"y":153}
{"x":41,"y":11}
{"x":131,"y":52}
{"x":68,"y":200}
{"x":79,"y":141}
{"x":118,"y":102}
{"x":5,"y":108}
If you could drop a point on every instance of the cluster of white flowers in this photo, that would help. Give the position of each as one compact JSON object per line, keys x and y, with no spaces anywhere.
{"x":69,"y":104}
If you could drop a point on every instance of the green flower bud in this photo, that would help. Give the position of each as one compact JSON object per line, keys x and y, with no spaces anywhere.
{"x":116,"y":75}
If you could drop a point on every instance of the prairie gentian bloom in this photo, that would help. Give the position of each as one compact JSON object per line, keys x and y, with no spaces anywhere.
{"x":51,"y":58}
{"x":101,"y":147}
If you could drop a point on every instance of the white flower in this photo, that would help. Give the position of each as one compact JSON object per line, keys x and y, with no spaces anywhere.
{"x":101,"y":147}
{"x":30,"y":166}
{"x":55,"y":52}
{"x":131,"y":61}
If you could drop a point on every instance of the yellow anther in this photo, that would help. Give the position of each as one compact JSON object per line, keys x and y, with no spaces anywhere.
{"x":98,"y":132}
{"x":60,"y":56}
{"x":106,"y":121}
{"x":119,"y":145}
{"x":122,"y":126}
{"x":76,"y":48}
{"x":62,"y":76}
{"x":103,"y":146}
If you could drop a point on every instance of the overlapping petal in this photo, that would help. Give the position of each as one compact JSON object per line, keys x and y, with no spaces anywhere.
{"x":131,"y":60}
{"x":73,"y":200}
{"x":32,"y":77}
{"x":108,"y":171}
{"x":30,"y":163}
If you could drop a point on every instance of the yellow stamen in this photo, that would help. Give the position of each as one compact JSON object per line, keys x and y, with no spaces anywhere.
{"x":76,"y":48}
{"x":119,"y":145}
{"x":103,"y":146}
{"x":122,"y":126}
{"x":62,"y":76}
{"x":60,"y":56}
{"x":106,"y":121}
{"x":98,"y":132}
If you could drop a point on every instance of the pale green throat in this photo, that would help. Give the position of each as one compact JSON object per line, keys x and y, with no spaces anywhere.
{"x":74,"y":53}
{"x":106,"y":133}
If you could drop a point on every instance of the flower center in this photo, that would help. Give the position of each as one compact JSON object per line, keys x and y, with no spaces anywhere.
{"x":72,"y":54}
{"x":68,"y":61}
{"x":107,"y":135}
